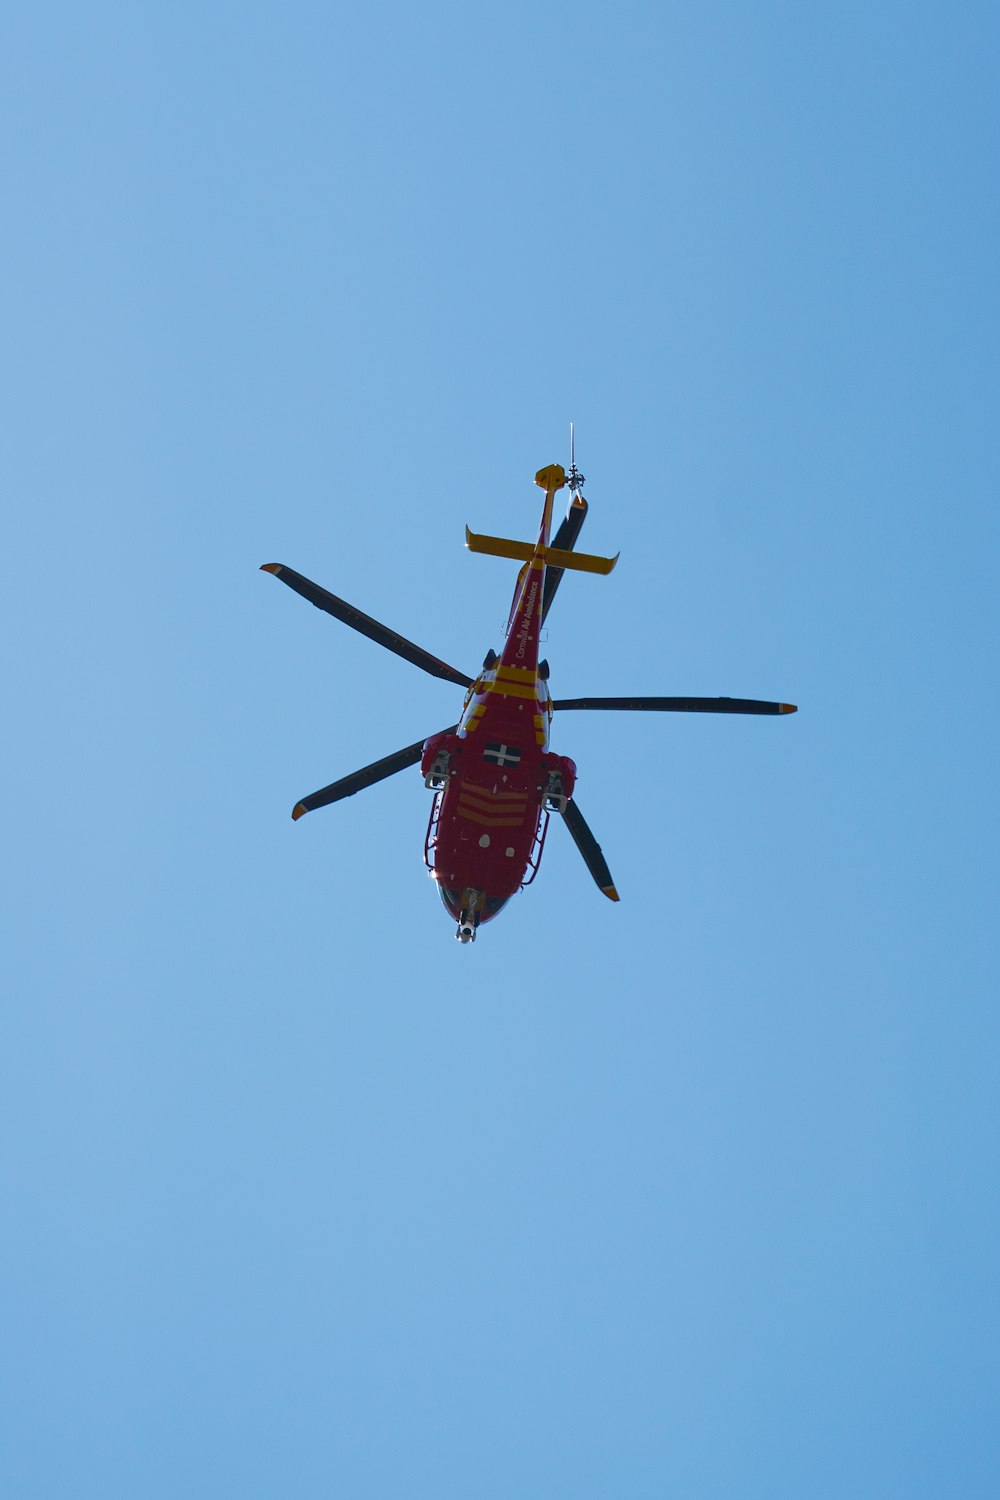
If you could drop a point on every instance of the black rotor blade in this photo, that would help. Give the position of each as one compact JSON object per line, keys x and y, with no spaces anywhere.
{"x":682,"y":705}
{"x":375,"y":631}
{"x":358,"y":780}
{"x":590,"y":849}
{"x":565,"y":540}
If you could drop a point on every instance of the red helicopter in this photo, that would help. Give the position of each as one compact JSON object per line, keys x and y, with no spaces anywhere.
{"x":494,"y":780}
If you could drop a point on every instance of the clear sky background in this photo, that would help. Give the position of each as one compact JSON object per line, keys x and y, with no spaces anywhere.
{"x":691,"y":1196}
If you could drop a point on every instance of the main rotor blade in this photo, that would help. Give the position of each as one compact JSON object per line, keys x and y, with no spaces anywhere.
{"x":565,"y":541}
{"x":682,"y":705}
{"x":358,"y":780}
{"x":590,"y":849}
{"x":375,"y":631}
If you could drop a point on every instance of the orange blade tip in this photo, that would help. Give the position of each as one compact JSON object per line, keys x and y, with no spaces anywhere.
{"x":298,"y":811}
{"x":270,"y":567}
{"x":788,"y":708}
{"x":610,"y":892}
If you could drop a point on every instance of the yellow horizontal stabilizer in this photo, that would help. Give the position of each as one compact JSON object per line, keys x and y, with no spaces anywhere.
{"x":581,"y":562}
{"x":555,"y":557}
{"x":499,"y":546}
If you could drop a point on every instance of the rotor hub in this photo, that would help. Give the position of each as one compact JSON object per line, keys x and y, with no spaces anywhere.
{"x":574,"y":479}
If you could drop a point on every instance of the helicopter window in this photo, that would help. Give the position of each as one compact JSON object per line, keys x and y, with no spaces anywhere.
{"x":494,"y":904}
{"x":451,"y":898}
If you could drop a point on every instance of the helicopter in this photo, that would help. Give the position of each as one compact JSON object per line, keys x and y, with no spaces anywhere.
{"x":495,"y":783}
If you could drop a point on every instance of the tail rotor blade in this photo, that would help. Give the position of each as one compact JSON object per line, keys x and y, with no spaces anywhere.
{"x":373,"y":629}
{"x":358,"y":780}
{"x":565,"y":538}
{"x":681,"y":705}
{"x":590,"y":849}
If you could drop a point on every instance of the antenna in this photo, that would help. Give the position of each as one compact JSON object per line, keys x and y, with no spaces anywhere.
{"x":574,"y":478}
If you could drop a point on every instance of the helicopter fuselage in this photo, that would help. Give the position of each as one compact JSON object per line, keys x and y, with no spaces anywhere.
{"x":494,"y":778}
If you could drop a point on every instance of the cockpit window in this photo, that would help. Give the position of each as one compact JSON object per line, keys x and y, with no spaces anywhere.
{"x":451,"y":898}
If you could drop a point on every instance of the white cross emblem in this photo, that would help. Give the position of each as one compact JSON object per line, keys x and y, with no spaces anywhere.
{"x":502,"y":755}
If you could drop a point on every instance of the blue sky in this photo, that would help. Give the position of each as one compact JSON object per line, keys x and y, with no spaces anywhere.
{"x":694,"y":1195}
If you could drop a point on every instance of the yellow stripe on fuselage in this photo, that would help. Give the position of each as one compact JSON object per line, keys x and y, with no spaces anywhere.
{"x":482,"y":821}
{"x":492,"y":805}
{"x":491,"y":796}
{"x":515,"y":674}
{"x":513,"y":690}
